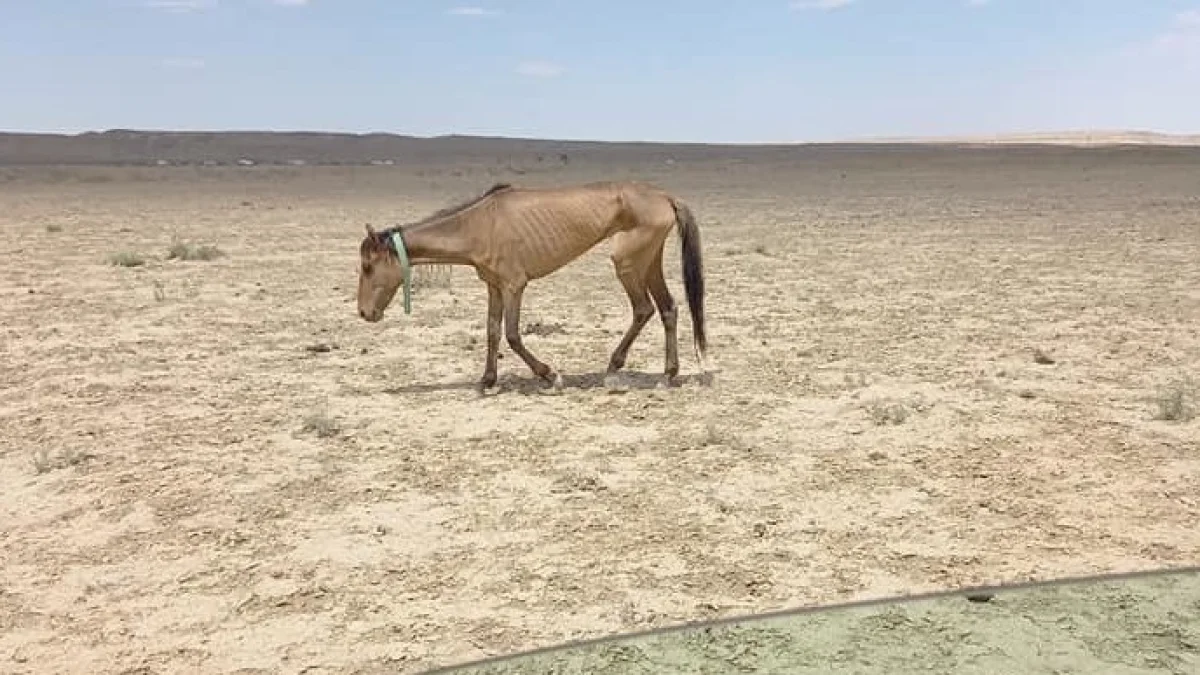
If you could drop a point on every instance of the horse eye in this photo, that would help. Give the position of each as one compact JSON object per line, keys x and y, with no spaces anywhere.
{"x":367,"y":270}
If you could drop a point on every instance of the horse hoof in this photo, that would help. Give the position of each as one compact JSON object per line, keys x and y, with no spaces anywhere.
{"x":556,"y":385}
{"x":615,"y":384}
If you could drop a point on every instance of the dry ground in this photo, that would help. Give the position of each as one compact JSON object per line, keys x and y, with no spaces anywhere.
{"x":933,"y":371}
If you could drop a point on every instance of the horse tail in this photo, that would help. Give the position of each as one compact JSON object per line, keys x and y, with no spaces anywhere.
{"x":693,"y":273}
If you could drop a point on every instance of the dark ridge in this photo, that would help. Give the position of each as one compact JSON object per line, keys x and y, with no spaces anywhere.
{"x":131,"y":147}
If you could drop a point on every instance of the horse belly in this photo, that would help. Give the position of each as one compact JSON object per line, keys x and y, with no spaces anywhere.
{"x":553,"y":250}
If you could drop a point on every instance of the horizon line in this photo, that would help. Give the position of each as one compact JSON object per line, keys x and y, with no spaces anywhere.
{"x":1097,"y":136}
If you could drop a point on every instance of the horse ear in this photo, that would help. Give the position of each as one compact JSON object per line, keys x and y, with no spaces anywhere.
{"x":370,"y":231}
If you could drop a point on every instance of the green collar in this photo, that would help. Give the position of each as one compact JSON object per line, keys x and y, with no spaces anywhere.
{"x":405,"y":267}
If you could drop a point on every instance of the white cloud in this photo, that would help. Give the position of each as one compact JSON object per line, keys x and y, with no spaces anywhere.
{"x":1190,"y":17}
{"x":471,"y":11}
{"x":1185,"y":27}
{"x":1180,"y":40}
{"x":824,"y":5}
{"x":540,"y":69}
{"x":290,"y":3}
{"x":187,"y":63}
{"x":181,"y":6}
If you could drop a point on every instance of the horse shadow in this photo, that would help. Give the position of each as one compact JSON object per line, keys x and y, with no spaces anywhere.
{"x":627,"y":380}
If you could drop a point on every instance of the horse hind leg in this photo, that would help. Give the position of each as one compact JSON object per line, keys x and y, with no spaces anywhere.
{"x":657,"y":285}
{"x":626,"y":259}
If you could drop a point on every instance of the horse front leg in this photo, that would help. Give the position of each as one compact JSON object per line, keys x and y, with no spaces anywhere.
{"x":494,"y":318}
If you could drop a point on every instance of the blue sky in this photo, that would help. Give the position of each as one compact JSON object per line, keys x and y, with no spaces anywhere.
{"x":671,"y":70}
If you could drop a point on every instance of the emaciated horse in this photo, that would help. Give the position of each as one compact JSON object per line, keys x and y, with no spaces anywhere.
{"x":511,"y":236}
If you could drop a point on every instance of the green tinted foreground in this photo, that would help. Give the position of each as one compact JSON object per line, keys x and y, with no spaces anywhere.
{"x":1114,"y":626}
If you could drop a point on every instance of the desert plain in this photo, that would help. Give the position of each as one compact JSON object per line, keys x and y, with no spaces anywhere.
{"x":931,"y":366}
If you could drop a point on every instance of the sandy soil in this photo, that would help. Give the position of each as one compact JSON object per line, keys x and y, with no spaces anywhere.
{"x":933,"y":371}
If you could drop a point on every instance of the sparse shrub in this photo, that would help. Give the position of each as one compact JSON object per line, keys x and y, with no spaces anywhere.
{"x":44,"y":462}
{"x":883,"y":412}
{"x":713,"y":435}
{"x":542,"y":329}
{"x":182,"y":250}
{"x":41,"y":462}
{"x":322,"y":425}
{"x":432,"y":276}
{"x":1177,"y":400}
{"x":127,"y":259}
{"x":73,"y":457}
{"x":716,"y":434}
{"x":54,"y":227}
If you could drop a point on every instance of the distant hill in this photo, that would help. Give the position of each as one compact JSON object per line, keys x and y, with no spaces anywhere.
{"x":173,"y":148}
{"x":1076,"y":138}
{"x":127,"y":147}
{"x":132,"y":147}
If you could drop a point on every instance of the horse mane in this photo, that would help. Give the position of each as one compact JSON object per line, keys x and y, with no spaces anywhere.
{"x":381,"y":236}
{"x":458,"y":208}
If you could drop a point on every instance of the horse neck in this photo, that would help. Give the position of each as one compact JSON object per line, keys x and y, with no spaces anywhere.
{"x":444,"y":241}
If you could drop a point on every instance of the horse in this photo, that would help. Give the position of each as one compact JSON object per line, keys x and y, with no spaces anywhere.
{"x":513,"y":235}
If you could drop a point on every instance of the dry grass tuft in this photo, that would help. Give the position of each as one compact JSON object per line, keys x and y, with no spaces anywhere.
{"x":182,"y":250}
{"x":887,"y":412}
{"x":432,"y":276}
{"x":543,"y":329}
{"x":127,"y":259}
{"x":321,"y":424}
{"x":1177,"y":400}
{"x":44,"y":462}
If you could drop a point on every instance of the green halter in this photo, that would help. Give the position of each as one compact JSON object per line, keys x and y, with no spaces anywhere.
{"x":405,"y":267}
